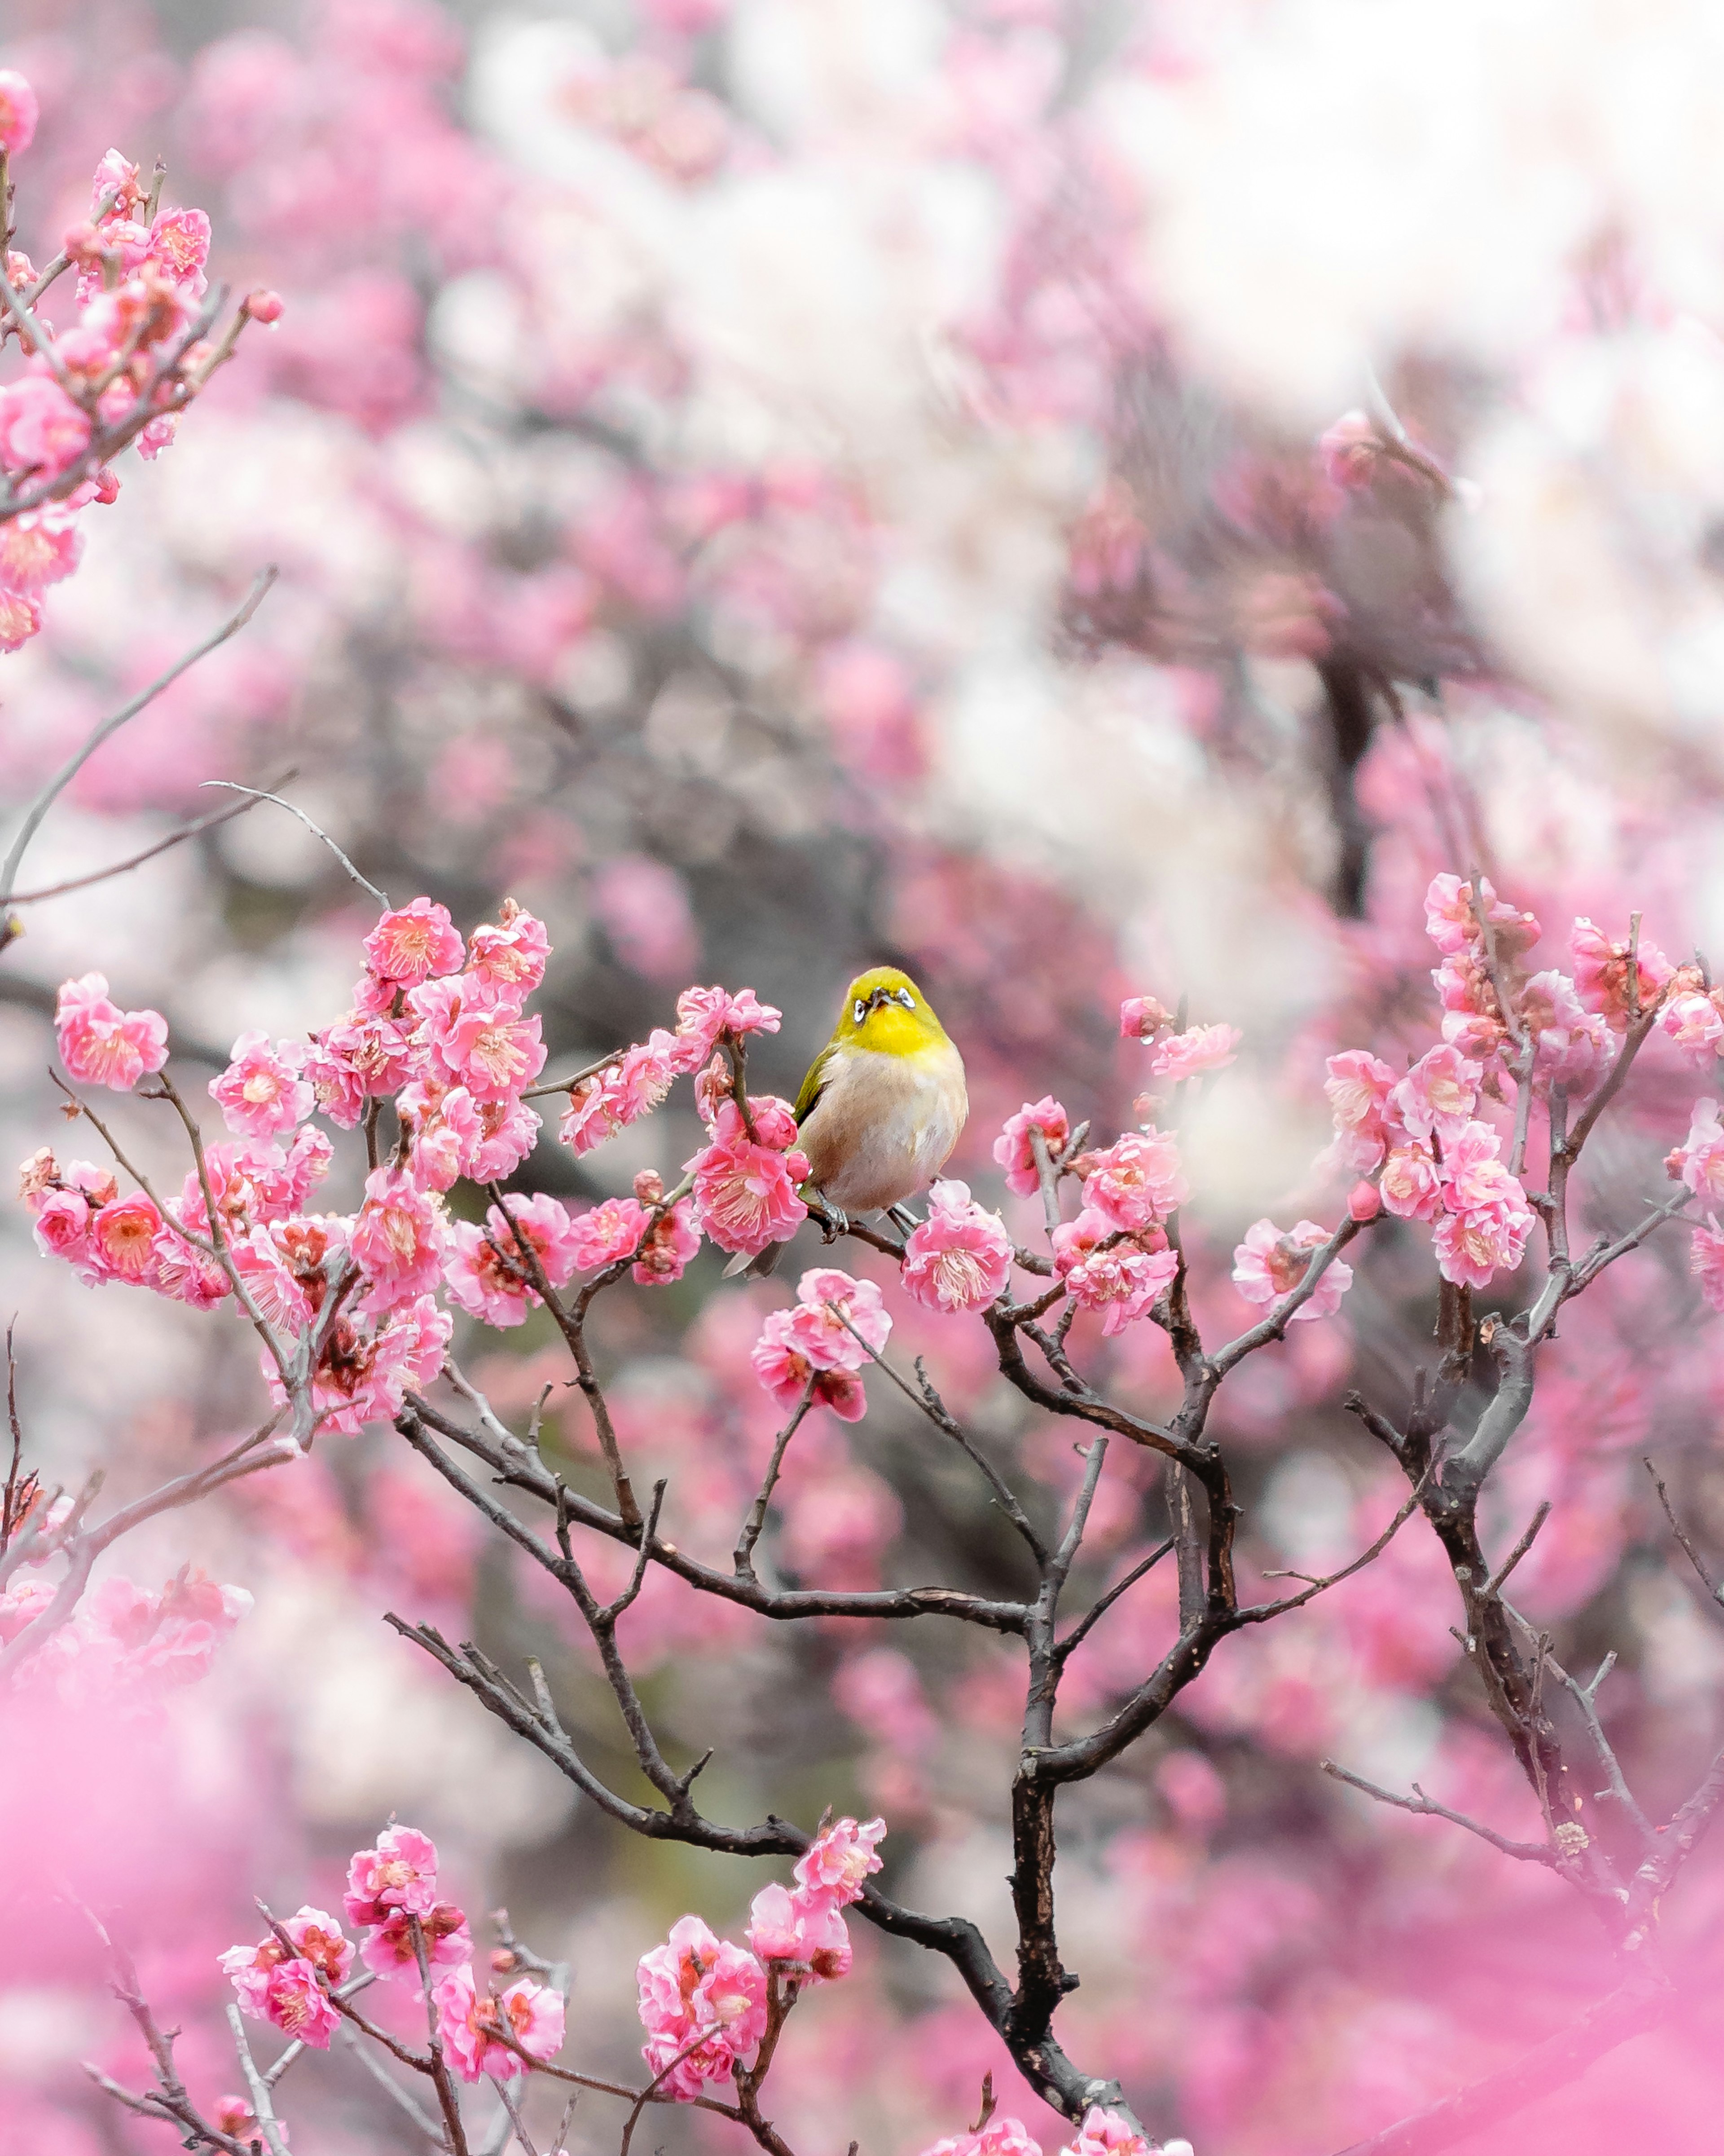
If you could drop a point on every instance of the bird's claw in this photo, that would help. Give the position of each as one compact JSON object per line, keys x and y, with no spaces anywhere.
{"x":902,"y":1218}
{"x":837,"y":1222}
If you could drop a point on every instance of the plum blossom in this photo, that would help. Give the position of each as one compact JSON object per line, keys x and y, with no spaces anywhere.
{"x":1601,"y":974}
{"x":1121,"y":1275}
{"x":799,"y":1928}
{"x":838,"y":1860}
{"x":1453,"y":925}
{"x":414,"y":942}
{"x":1471,"y":1247}
{"x":747,"y":1193}
{"x":1141,"y":1018}
{"x":102,"y":1045}
{"x":833,"y":1308}
{"x":281,"y":1987}
{"x":1706,"y":1261}
{"x":1572,"y":1046}
{"x":672,"y":1242}
{"x":1437,"y":1095}
{"x":398,"y":1873}
{"x":470,"y":2024}
{"x":1013,"y":1150}
{"x":1196,"y":1052}
{"x":781,"y":1360}
{"x":508,"y":959}
{"x":19,"y":113}
{"x":1268,"y":1264}
{"x":701,"y":1991}
{"x":493,"y":1053}
{"x":488,"y":1274}
{"x":398,"y":1239}
{"x":1358,"y":1086}
{"x":361,"y":1060}
{"x":707,"y":1016}
{"x":1409,"y":1185}
{"x":1137,"y":1182}
{"x":123,"y":1241}
{"x":1700,"y":1161}
{"x":1000,"y":2137}
{"x":388,"y":1949}
{"x":1692,"y":1021}
{"x":263,"y":1090}
{"x":960,"y":1257}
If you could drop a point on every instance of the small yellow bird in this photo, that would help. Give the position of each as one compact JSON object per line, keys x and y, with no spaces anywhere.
{"x":882,"y":1105}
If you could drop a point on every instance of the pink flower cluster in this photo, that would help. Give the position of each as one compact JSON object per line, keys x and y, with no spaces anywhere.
{"x":640,"y":1077}
{"x":288,"y":1986}
{"x":960,"y":1257}
{"x":1103,"y":2133}
{"x":747,"y":1187}
{"x":1270,"y":1265}
{"x":703,"y":2000}
{"x":1115,"y":1256}
{"x":1194,"y":1053}
{"x":125,"y":1643}
{"x":821,"y":1344}
{"x":1014,"y":1151}
{"x":101,"y":1044}
{"x":1434,"y":1160}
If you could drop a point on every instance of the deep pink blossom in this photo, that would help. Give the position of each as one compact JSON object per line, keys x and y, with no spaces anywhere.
{"x":1268,"y":1264}
{"x":19,"y":113}
{"x":263,"y":1090}
{"x":838,"y":1860}
{"x":284,"y":1988}
{"x":745,"y":1194}
{"x":607,"y":1232}
{"x":508,"y":959}
{"x":1105,"y":2133}
{"x":400,"y":1238}
{"x":102,"y":1045}
{"x":122,"y":1244}
{"x":1193,"y":1054}
{"x":799,"y":1928}
{"x":673,"y":1242}
{"x":411,"y":942}
{"x":494,"y":1054}
{"x":960,"y":1257}
{"x":1438,"y":1094}
{"x":469,"y":2022}
{"x":698,"y":1988}
{"x":704,"y":1016}
{"x":63,"y":1220}
{"x":1137,"y":1181}
{"x":833,"y":1308}
{"x":388,"y":1948}
{"x":398,"y":1872}
{"x":1012,"y":1147}
{"x":487,"y":1271}
{"x":782,"y":1360}
{"x":1601,"y":973}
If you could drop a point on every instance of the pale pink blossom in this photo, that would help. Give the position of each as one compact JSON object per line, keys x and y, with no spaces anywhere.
{"x":388,"y":1949}
{"x":1473,"y":1175}
{"x":607,"y":1232}
{"x":960,"y":1257}
{"x":645,"y":1074}
{"x":838,"y":1861}
{"x":358,"y":1060}
{"x":1601,"y":973}
{"x":19,"y":113}
{"x":704,"y":1016}
{"x":263,"y":1090}
{"x":1452,"y":924}
{"x":1137,"y":1181}
{"x":400,"y":1238}
{"x":1141,"y":1018}
{"x":1200,"y":1050}
{"x":1123,"y":1277}
{"x":1693,"y":1023}
{"x":1348,"y":450}
{"x":1573,"y":1046}
{"x":745,"y":1194}
{"x":442,"y":1124}
{"x":1438,"y":1094}
{"x":1409,"y":1184}
{"x":102,"y":1045}
{"x":1000,"y":2137}
{"x":398,"y":1873}
{"x":508,"y":959}
{"x":833,"y":1308}
{"x":38,"y":549}
{"x":42,"y":431}
{"x":1105,"y":2133}
{"x":799,"y":1928}
{"x":470,"y":2025}
{"x":414,"y":942}
{"x":20,"y":619}
{"x":1268,"y":1264}
{"x":1700,"y":1162}
{"x":1472,"y":1247}
{"x":1358,"y":1086}
{"x":781,"y":1360}
{"x":1706,"y":1261}
{"x":1012,"y":1148}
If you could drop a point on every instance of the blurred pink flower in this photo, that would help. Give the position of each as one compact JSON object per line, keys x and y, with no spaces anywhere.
{"x":1195,"y":1053}
{"x":644,"y":907}
{"x":1137,"y":1182}
{"x":1601,"y":973}
{"x":1268,"y":1264}
{"x":19,"y":113}
{"x":1012,"y":1148}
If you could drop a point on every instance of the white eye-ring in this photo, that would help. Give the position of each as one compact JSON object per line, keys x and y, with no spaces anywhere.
{"x":907,"y":998}
{"x":861,"y":1010}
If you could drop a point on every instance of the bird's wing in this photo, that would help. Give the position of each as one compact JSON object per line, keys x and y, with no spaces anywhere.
{"x":821,"y":1071}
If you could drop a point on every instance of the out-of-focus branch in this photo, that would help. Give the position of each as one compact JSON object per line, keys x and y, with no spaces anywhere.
{"x":1425,"y":1807}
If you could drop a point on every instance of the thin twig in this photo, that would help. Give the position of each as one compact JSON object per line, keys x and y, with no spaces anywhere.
{"x":259,"y":793}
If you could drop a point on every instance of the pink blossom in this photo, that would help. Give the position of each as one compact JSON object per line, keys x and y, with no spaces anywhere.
{"x":101,"y":1046}
{"x":508,"y":959}
{"x":492,"y":1053}
{"x":282,"y":1988}
{"x":398,"y":1872}
{"x":470,"y":2024}
{"x":1472,"y":1246}
{"x":1358,"y":1086}
{"x":643,"y":905}
{"x":38,"y":549}
{"x":507,"y":1132}
{"x":1409,"y":1184}
{"x":644,"y":1075}
{"x":1268,"y":1264}
{"x":20,"y":619}
{"x":799,"y":1928}
{"x":697,"y":1985}
{"x":1572,"y":1045}
{"x":19,"y":113}
{"x":1121,"y":1276}
{"x":263,"y":305}
{"x":781,"y":1360}
{"x":1452,"y":925}
{"x":361,"y":1060}
{"x":960,"y":1257}
{"x":122,"y":1241}
{"x":388,"y":1949}
{"x":1000,"y":2137}
{"x":1364,"y":1201}
{"x":1012,"y":1147}
{"x":840,"y":1858}
{"x":398,"y":1239}
{"x":262,"y":1091}
{"x":1693,"y":1023}
{"x":597,"y":1110}
{"x":179,"y":247}
{"x":704,"y":1016}
{"x":1601,"y":973}
{"x":1105,"y":2133}
{"x":42,"y":431}
{"x":833,"y":1309}
{"x":1137,"y":1182}
{"x":672,"y":1242}
{"x":1473,"y":1175}
{"x":1196,"y":1052}
{"x":488,"y":1275}
{"x":1699,"y":1163}
{"x":607,"y":1232}
{"x":63,"y":1221}
{"x":746,"y":1195}
{"x":1437,"y":1094}
{"x":1706,"y":1261}
{"x":411,"y":942}
{"x":1141,"y":1018}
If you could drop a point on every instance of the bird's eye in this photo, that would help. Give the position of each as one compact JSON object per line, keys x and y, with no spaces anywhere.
{"x":907,"y":997}
{"x":861,"y":1010}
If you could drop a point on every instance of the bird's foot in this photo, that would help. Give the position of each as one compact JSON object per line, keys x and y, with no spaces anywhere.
{"x":837,"y":1222}
{"x":902,"y":1218}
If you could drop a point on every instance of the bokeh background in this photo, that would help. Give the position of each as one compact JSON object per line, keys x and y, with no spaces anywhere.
{"x":781,"y":484}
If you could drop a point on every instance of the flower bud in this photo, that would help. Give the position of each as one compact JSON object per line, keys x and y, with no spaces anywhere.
{"x":262,"y":306}
{"x":649,"y":1186}
{"x":1362,"y":1201}
{"x":19,"y":113}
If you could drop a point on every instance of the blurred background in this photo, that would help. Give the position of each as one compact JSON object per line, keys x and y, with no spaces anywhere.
{"x":777,"y":485}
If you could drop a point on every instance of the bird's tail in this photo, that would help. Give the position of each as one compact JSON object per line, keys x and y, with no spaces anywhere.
{"x":755,"y":1268}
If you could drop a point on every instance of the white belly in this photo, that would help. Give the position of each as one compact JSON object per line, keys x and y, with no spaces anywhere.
{"x":884,"y":1127}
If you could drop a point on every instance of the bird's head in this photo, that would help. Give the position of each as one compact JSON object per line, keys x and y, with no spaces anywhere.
{"x":885,"y":1010}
